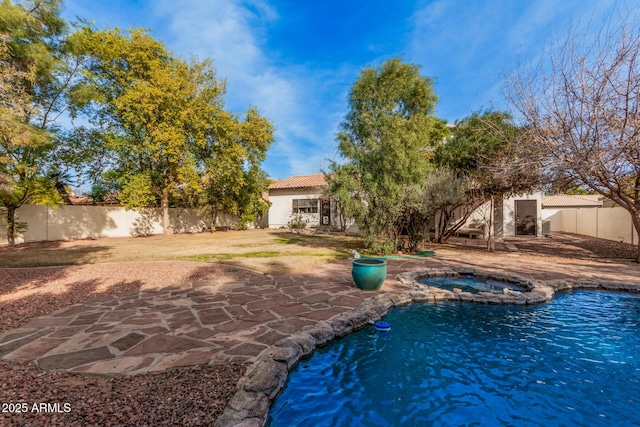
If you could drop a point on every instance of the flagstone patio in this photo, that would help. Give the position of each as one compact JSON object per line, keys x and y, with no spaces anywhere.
{"x":205,"y":322}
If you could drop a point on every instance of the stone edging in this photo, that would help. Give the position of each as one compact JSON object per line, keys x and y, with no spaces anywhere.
{"x":266,"y":378}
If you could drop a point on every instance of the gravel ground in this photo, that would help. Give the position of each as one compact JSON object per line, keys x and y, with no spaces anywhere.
{"x":561,"y":248}
{"x":183,"y":397}
{"x":574,"y":246}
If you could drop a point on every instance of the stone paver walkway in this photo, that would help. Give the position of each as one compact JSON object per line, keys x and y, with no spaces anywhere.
{"x":156,"y":330}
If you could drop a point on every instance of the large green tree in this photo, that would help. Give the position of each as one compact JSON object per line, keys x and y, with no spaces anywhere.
{"x":163,"y":124}
{"x":387,"y":140}
{"x":36,"y":79}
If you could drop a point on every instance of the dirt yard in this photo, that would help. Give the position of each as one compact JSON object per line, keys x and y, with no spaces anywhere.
{"x":562,"y":246}
{"x":268,"y":251}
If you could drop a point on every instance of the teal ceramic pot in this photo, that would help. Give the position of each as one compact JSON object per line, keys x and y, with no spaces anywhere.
{"x":369,"y":273}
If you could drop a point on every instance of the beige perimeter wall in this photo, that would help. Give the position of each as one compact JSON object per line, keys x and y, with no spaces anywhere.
{"x":606,"y":223}
{"x":83,"y":222}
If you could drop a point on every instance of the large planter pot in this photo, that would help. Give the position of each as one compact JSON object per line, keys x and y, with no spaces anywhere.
{"x":369,"y":273}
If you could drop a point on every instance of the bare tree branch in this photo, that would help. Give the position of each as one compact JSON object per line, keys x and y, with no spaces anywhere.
{"x":580,"y":105}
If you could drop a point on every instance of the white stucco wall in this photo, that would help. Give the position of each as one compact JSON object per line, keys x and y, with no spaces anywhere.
{"x":615,"y":224}
{"x":45,"y":223}
{"x":281,"y":210}
{"x":509,"y":213}
{"x":606,"y":223}
{"x":480,"y":216}
{"x":554,"y":216}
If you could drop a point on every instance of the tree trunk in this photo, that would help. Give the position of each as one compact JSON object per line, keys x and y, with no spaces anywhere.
{"x":491,"y":241}
{"x":11,"y":225}
{"x":166,"y":223}
{"x":440,"y":228}
{"x":635,"y":218}
{"x":214,"y":218}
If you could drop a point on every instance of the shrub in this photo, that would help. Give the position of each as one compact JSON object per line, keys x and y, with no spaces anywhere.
{"x":297,"y":223}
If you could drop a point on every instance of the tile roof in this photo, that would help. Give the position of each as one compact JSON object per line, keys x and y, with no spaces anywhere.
{"x":566,"y":201}
{"x":80,"y":200}
{"x":301,"y":181}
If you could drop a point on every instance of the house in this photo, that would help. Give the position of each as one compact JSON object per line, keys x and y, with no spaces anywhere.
{"x":521,"y":216}
{"x":299,"y":195}
{"x":79,"y":200}
{"x":110,"y":199}
{"x":303,"y":196}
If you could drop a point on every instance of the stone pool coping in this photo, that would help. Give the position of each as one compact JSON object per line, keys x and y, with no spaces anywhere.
{"x":267,"y":376}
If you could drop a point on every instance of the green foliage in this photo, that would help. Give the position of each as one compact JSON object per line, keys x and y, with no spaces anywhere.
{"x":234,"y":180}
{"x":297,"y":223}
{"x":26,"y":148}
{"x":282,"y":241}
{"x":440,"y":190}
{"x":105,"y":187}
{"x":164,"y":129}
{"x":137,"y":192}
{"x":578,"y":191}
{"x":475,"y":142}
{"x":151,"y":111}
{"x":387,"y":138}
{"x":245,"y":219}
{"x":32,"y":30}
{"x":484,"y":150}
{"x":564,"y":184}
{"x":158,"y":127}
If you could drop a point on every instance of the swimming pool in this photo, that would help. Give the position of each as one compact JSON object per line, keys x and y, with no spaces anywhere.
{"x":574,"y":361}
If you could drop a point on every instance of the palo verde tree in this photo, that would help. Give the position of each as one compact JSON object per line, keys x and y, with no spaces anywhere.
{"x":580,"y":107}
{"x":36,"y":80}
{"x":162,"y":122}
{"x":386,"y":139}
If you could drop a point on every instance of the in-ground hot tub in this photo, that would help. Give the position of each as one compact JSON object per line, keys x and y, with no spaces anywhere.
{"x":471,"y":284}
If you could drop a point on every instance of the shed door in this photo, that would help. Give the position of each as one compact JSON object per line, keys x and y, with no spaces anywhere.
{"x":526,"y":217}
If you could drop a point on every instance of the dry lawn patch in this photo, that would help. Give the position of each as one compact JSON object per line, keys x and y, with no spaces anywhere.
{"x":268,"y":251}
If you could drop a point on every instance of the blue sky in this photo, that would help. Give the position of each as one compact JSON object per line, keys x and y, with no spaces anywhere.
{"x":296,"y":60}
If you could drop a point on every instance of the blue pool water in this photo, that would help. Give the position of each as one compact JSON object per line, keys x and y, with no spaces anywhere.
{"x":470,"y":284}
{"x":572,"y":362}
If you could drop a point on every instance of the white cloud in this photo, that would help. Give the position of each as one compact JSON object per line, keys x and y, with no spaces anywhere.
{"x":469,"y":46}
{"x":233,"y":33}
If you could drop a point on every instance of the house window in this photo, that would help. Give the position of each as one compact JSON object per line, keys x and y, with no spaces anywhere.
{"x":305,"y":206}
